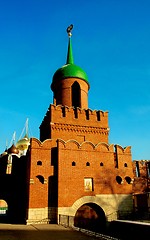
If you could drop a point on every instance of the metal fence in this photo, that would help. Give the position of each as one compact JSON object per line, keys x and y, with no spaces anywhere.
{"x":95,"y":234}
{"x":68,"y":221}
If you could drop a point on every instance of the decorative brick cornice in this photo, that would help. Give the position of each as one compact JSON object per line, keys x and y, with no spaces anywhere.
{"x":79,"y":129}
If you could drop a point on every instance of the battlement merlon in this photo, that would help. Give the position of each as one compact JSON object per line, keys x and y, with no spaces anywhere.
{"x":78,"y":116}
{"x":80,"y":124}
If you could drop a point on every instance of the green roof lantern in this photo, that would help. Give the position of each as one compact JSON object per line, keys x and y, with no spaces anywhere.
{"x":69,"y":69}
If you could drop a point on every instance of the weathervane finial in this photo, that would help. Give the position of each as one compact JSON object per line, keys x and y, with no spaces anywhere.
{"x":69,"y":29}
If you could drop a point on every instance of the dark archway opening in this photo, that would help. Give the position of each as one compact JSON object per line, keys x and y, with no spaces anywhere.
{"x":3,"y":211}
{"x":76,"y":95}
{"x":90,"y":216}
{"x":14,"y":190}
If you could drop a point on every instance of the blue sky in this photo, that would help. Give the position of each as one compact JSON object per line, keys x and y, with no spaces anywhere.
{"x":111,"y":42}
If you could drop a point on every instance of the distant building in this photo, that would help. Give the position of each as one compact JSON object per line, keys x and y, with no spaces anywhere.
{"x":72,"y":175}
{"x":141,"y":189}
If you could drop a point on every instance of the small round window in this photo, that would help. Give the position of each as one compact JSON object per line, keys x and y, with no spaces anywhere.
{"x":119,"y":180}
{"x":128,"y":179}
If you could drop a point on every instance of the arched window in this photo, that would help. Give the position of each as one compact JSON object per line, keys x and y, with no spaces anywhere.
{"x":39,"y":163}
{"x":41,"y":178}
{"x":87,"y":164}
{"x":73,"y":163}
{"x":101,"y":164}
{"x":76,"y":94}
{"x":125,"y":165}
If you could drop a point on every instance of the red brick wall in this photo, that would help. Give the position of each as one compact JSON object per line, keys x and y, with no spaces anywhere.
{"x":38,"y":192}
{"x":87,"y":128}
{"x":71,"y":178}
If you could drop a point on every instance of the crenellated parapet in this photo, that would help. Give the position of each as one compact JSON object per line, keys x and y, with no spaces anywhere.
{"x":57,"y":113}
{"x":88,"y":145}
{"x":36,"y":143}
{"x":74,"y":144}
{"x":119,"y":156}
{"x":75,"y":121}
{"x":119,"y":149}
{"x":78,"y":115}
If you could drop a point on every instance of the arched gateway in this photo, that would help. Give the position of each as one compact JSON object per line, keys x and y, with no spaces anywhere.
{"x":3,"y":211}
{"x":90,"y":216}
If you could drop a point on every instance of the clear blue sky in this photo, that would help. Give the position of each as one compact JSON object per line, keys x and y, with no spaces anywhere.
{"x":111,"y":42}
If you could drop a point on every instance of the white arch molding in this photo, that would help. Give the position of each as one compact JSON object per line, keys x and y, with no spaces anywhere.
{"x":109,"y":203}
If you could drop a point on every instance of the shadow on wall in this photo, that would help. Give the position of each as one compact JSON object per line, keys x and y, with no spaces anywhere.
{"x":125,"y":212}
{"x":127,"y":230}
{"x":53,"y":188}
{"x":14,"y":190}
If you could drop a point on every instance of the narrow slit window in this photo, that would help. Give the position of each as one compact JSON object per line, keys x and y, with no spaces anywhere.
{"x":137,"y":169}
{"x":63,"y":112}
{"x":87,"y":164}
{"x":73,"y":164}
{"x":87,"y":114}
{"x":76,"y":113}
{"x":98,"y":115}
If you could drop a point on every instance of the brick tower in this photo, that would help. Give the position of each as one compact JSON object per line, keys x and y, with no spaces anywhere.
{"x":73,"y":170}
{"x":69,"y":111}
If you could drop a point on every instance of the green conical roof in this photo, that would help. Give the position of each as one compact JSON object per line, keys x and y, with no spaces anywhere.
{"x":69,"y":69}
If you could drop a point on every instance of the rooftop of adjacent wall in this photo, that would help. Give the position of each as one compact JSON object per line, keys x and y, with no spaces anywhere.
{"x":36,"y":143}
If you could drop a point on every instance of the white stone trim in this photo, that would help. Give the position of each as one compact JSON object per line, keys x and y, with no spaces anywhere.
{"x":110,"y":203}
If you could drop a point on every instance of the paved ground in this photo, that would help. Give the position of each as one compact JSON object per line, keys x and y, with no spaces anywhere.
{"x":39,"y":232}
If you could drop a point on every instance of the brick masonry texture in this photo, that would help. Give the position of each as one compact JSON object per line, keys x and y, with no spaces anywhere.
{"x":74,"y":146}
